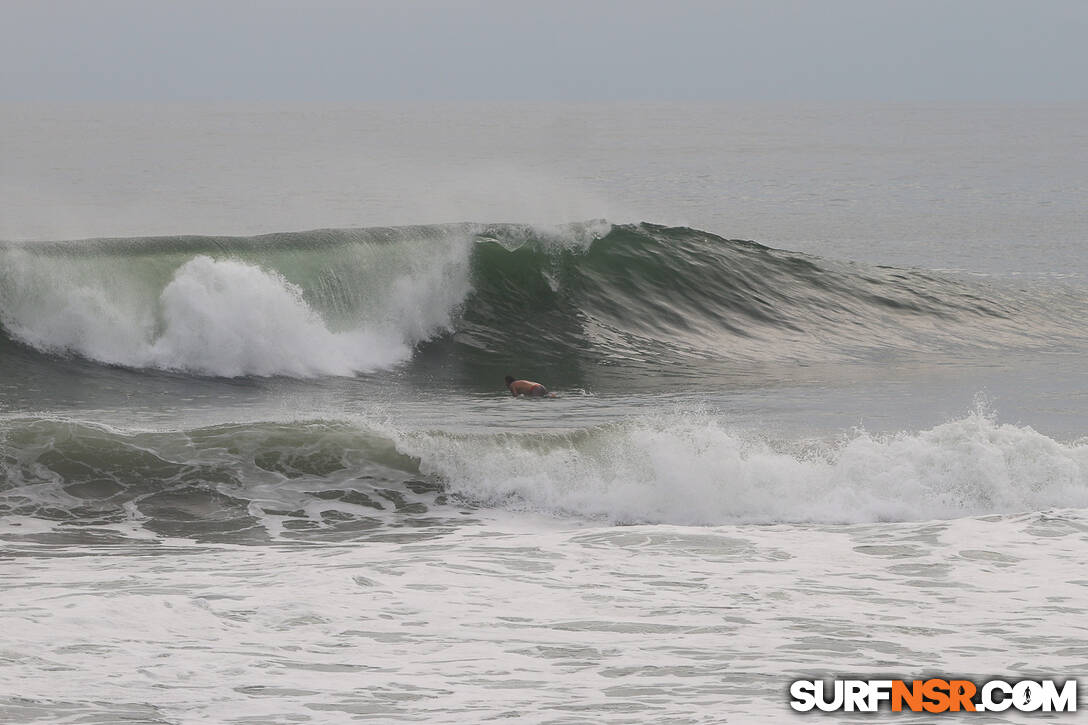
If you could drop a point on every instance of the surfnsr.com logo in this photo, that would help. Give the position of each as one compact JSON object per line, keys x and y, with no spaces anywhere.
{"x":933,"y":695}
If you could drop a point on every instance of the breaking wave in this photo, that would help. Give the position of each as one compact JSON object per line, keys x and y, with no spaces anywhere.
{"x":695,"y":470}
{"x":486,"y":297}
{"x":347,"y":480}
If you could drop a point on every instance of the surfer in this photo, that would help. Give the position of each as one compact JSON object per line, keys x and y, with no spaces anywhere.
{"x":526,"y":387}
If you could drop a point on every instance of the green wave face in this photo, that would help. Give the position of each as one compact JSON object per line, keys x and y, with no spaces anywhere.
{"x":651,"y":302}
{"x":238,"y":483}
{"x":470,"y":302}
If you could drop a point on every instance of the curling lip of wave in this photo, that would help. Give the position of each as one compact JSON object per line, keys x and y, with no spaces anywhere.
{"x":339,"y":302}
{"x":299,"y":305}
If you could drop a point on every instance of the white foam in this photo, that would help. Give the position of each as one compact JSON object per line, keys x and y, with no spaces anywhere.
{"x":691,"y":469}
{"x":229,"y":318}
{"x":224,"y":317}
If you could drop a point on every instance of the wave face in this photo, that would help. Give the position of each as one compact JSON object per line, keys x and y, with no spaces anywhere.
{"x":243,"y":483}
{"x":339,"y":480}
{"x":484,"y":298}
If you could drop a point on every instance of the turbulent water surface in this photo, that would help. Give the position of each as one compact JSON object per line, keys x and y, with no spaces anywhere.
{"x":276,"y":478}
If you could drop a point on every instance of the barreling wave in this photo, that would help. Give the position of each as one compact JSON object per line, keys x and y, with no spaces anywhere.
{"x":486,"y":297}
{"x":306,"y":304}
{"x":349,"y":480}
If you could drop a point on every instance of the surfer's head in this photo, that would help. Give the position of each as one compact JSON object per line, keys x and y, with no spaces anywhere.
{"x":509,"y":379}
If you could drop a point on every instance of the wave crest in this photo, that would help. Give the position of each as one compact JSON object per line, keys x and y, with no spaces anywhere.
{"x":323,"y":477}
{"x":476,"y":299}
{"x":230,"y":315}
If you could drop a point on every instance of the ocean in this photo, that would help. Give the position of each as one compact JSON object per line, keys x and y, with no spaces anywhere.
{"x":821,"y":391}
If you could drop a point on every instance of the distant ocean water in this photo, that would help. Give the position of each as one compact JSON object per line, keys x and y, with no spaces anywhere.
{"x":821,"y":408}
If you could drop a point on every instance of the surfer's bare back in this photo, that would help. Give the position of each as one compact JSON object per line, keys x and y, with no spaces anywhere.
{"x":525,"y":387}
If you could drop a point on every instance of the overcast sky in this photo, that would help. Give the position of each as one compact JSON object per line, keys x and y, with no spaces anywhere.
{"x":898,"y":50}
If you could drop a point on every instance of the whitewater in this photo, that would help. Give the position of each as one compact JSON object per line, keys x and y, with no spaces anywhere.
{"x":820,"y":410}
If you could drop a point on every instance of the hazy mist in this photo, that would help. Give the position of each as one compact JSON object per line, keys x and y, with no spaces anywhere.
{"x":972,"y":50}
